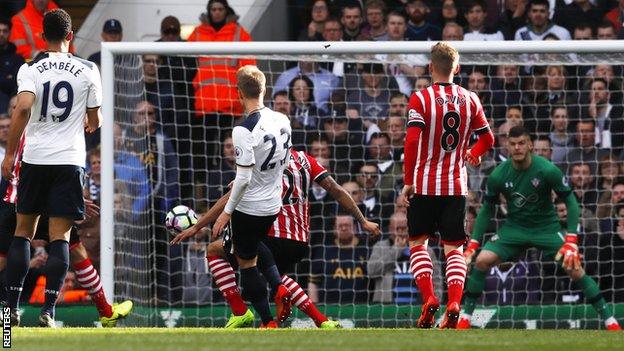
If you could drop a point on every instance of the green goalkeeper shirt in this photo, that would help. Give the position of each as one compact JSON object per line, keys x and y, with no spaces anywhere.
{"x":529,"y":197}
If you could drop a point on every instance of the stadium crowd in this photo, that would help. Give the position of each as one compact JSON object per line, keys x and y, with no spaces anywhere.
{"x":173,"y":143}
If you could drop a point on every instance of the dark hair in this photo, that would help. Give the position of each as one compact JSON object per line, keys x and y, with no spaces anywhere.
{"x":551,"y":36}
{"x":373,"y":68}
{"x":583,"y":26}
{"x":308,"y":82}
{"x":518,"y":131}
{"x":602,"y":80}
{"x":378,"y":135}
{"x":398,"y":14}
{"x":472,"y":3}
{"x":556,"y":107}
{"x":539,"y":2}
{"x":281,"y":93}
{"x":333,"y":19}
{"x":559,"y":201}
{"x":351,"y":5}
{"x":515,"y":107}
{"x":317,"y":138}
{"x":606,"y":24}
{"x":618,"y":181}
{"x":397,"y":94}
{"x":618,"y":206}
{"x":57,"y":24}
{"x":543,"y":138}
{"x":6,"y":22}
{"x":369,"y":164}
{"x":587,"y":120}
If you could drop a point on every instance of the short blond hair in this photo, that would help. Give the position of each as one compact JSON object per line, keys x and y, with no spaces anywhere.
{"x":444,"y":57}
{"x":250,"y":81}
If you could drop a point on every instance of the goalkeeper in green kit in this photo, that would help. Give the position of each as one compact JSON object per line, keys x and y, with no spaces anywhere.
{"x":527,"y":182}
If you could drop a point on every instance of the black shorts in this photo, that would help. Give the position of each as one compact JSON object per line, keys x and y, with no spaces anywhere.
{"x":287,"y":253}
{"x":247,"y":231}
{"x":53,"y":190}
{"x":445,"y":214}
{"x":8,"y":222}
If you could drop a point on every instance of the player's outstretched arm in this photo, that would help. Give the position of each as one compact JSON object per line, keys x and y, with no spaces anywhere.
{"x":346,"y":201}
{"x":209,"y":217}
{"x":19,"y":119}
{"x":239,"y":186}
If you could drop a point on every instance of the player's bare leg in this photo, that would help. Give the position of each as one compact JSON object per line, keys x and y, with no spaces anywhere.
{"x":475,"y":285}
{"x":225,"y":279}
{"x":89,"y":279}
{"x":18,"y":260}
{"x":422,"y":270}
{"x":455,"y":277}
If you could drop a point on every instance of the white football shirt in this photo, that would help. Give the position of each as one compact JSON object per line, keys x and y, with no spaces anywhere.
{"x":262,"y":141}
{"x":64,"y":86}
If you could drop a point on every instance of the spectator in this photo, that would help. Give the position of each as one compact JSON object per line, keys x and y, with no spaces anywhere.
{"x":345,"y":137}
{"x":605,"y":115}
{"x":10,"y":63}
{"x":578,"y":11}
{"x":390,"y":171}
{"x":606,"y":31}
{"x":372,"y":102}
{"x":476,"y":30}
{"x":478,"y":83}
{"x":301,"y":95}
{"x":616,"y":16}
{"x":377,"y":207}
{"x":512,"y":18}
{"x":159,"y":93}
{"x":419,"y":29}
{"x":356,"y":192}
{"x":452,"y":32}
{"x":323,"y":80}
{"x":216,"y":95}
{"x":611,"y":196}
{"x":398,"y":104}
{"x":132,"y":176}
{"x":556,"y":94}
{"x":5,"y":124}
{"x":92,"y":189}
{"x":501,"y":153}
{"x":320,"y":13}
{"x":585,"y":149}
{"x":412,"y":65}
{"x":450,"y":14}
{"x":339,"y":270}
{"x":584,"y":186}
{"x":560,"y":139}
{"x":395,"y":129}
{"x":513,"y":116}
{"x":375,"y":28}
{"x":542,"y":147}
{"x":179,"y":71}
{"x":218,"y":180}
{"x":27,"y":28}
{"x":506,"y":89}
{"x":351,"y":22}
{"x":389,"y":266}
{"x":111,"y":32}
{"x":332,"y":30}
{"x":582,"y":32}
{"x":421,"y":83}
{"x":612,"y":254}
{"x":513,"y":283}
{"x":539,"y":25}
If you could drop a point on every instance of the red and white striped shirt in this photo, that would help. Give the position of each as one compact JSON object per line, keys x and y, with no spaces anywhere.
{"x":11,"y":193}
{"x":293,"y":220}
{"x":447,"y":114}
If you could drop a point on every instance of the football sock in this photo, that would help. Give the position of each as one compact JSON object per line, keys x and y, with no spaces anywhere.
{"x":3,"y":293}
{"x":266,"y":264}
{"x":255,"y":291}
{"x":303,"y":302}
{"x":422,"y":270}
{"x":474,"y":288}
{"x":594,"y":296}
{"x":18,"y":260}
{"x":89,"y":279}
{"x":56,"y":270}
{"x":225,"y":279}
{"x":455,"y":275}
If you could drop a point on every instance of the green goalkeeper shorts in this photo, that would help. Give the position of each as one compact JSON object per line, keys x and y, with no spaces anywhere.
{"x":510,"y":241}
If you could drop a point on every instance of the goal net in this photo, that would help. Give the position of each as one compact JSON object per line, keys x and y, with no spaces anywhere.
{"x":169,"y":114}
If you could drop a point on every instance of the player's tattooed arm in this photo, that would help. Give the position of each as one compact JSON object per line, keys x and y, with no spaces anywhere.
{"x":346,"y":201}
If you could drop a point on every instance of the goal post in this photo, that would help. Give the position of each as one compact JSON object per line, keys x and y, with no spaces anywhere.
{"x":275,"y":54}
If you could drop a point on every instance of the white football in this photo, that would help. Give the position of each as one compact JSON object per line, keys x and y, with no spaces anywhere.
{"x":180,"y":218}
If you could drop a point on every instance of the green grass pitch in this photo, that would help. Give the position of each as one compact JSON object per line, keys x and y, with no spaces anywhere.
{"x":318,"y":340}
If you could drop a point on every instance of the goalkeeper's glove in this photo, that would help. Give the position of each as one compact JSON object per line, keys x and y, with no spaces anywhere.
{"x":473,"y":245}
{"x":570,"y":253}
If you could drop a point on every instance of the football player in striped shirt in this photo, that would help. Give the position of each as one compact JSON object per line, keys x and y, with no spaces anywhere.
{"x":286,"y":244}
{"x":441,"y":119}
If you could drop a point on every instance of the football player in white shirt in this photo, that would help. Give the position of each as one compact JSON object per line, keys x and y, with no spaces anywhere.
{"x":55,"y":91}
{"x":262,"y":144}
